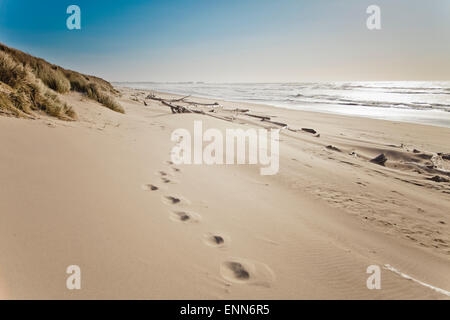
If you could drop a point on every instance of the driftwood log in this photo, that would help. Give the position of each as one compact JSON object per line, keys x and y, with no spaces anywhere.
{"x":183,"y":99}
{"x":263,"y":118}
{"x":281,"y":124}
{"x":176,"y":108}
{"x":309,"y":130}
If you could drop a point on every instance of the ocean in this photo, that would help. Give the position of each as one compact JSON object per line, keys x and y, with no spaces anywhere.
{"x":417,"y":102}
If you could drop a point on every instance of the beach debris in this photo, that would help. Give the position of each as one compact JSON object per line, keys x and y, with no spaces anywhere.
{"x":182,"y":99}
{"x":263,"y":118}
{"x":380,"y":159}
{"x":312,"y":131}
{"x":202,"y":104}
{"x":153,"y":97}
{"x":240,"y":110}
{"x":445,"y":156}
{"x":309,"y":130}
{"x":281,"y":124}
{"x":331,"y":147}
{"x":438,"y":179}
{"x":177,"y":108}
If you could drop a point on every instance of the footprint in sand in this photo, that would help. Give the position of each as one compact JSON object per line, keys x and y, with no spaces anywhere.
{"x":149,"y":187}
{"x":172,"y":166}
{"x":167,"y":180}
{"x":163,"y":173}
{"x":216,"y":240}
{"x":244,"y":271}
{"x":174,"y":200}
{"x":185,"y":216}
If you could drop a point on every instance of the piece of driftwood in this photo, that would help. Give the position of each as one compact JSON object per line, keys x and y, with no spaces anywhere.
{"x":241,"y":110}
{"x":175,"y":108}
{"x":225,"y":118}
{"x":263,"y":118}
{"x":309,"y":130}
{"x":236,"y":110}
{"x":281,"y":124}
{"x":331,"y":147}
{"x":438,"y":179}
{"x":197,"y":111}
{"x":153,"y":97}
{"x":201,"y":104}
{"x":182,"y":99}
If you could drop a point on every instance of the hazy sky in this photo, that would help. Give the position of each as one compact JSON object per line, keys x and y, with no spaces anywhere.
{"x":236,"y":40}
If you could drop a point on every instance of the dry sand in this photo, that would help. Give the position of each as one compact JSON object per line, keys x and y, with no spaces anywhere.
{"x":81,"y":193}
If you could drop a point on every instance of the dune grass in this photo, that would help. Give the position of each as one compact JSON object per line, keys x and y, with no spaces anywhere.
{"x":29,"y":84}
{"x":94,"y":90}
{"x":22,"y":92}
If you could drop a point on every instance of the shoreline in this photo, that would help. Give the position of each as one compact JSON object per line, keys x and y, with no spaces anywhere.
{"x":405,"y":115}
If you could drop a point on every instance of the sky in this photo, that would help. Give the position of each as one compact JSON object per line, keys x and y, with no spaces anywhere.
{"x":236,"y":40}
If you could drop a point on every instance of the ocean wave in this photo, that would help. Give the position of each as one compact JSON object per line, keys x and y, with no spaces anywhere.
{"x":328,"y":99}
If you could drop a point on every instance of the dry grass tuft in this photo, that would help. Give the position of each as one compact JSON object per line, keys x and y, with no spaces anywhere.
{"x":29,"y":84}
{"x":22,"y":93}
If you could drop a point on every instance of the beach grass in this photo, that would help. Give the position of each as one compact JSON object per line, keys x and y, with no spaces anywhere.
{"x":29,"y":84}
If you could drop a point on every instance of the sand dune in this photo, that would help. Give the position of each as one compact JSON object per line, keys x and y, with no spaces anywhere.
{"x":102,"y":193}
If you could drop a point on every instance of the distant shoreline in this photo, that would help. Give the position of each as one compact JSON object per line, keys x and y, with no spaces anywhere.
{"x":426,"y":116}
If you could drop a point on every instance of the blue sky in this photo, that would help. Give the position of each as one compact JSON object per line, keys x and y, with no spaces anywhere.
{"x":236,"y":40}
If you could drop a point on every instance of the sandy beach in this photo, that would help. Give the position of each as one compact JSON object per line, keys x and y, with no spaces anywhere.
{"x":101,"y":193}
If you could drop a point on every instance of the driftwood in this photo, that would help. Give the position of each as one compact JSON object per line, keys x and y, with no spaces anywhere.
{"x":182,"y":109}
{"x":237,"y":110}
{"x":263,"y":118}
{"x":281,"y":124}
{"x":153,"y":97}
{"x":183,"y":99}
{"x":241,"y":110}
{"x":176,"y":109}
{"x":309,"y":130}
{"x":331,"y":147}
{"x":438,"y":179}
{"x":201,"y":104}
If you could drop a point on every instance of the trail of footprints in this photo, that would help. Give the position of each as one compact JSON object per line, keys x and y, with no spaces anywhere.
{"x":236,"y":270}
